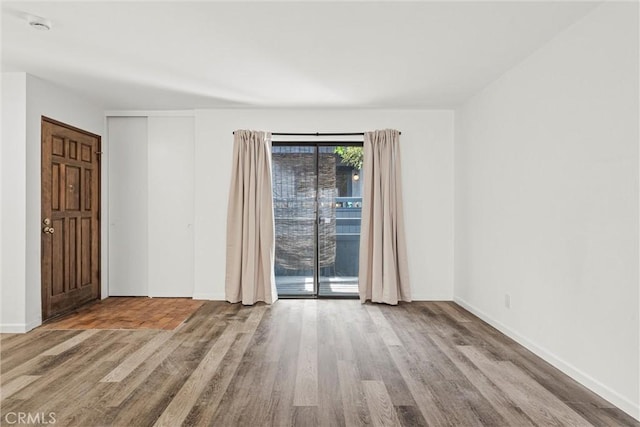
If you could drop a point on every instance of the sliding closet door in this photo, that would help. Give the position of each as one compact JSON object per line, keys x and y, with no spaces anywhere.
{"x":151,"y":206}
{"x":171,"y":206}
{"x":128,"y":214}
{"x":294,"y":205}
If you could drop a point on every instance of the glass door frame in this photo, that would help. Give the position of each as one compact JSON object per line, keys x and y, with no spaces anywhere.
{"x":316,"y":247}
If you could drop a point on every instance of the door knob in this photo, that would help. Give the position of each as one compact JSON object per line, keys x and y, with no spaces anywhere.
{"x":48,"y":230}
{"x":46,"y":221}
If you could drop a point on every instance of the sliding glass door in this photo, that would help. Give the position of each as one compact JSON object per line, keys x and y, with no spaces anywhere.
{"x":294,"y":205}
{"x":340,"y":202}
{"x":317,"y":204}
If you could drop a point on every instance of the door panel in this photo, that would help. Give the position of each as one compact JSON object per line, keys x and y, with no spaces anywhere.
{"x":294,"y":201}
{"x":128,"y":206}
{"x":70,"y":218}
{"x":339,"y":236}
{"x":171,"y":202}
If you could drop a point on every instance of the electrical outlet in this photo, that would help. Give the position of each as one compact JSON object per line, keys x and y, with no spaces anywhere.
{"x":507,"y":301}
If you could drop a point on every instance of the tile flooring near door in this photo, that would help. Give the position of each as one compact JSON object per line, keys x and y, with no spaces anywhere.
{"x":128,"y":313}
{"x":297,"y":362}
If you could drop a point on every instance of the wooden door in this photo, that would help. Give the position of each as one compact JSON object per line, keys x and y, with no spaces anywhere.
{"x":70,"y":217}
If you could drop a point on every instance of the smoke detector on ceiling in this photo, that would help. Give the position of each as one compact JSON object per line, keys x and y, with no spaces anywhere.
{"x":39,"y":23}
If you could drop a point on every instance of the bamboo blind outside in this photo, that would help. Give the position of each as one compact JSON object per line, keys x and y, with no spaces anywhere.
{"x":294,"y":190}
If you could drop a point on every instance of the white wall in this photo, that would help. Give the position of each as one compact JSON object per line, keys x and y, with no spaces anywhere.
{"x":13,"y":169}
{"x":128,"y":215}
{"x":21,"y":229}
{"x":151,"y":194}
{"x":1,"y":168}
{"x":547,"y":203}
{"x":427,"y":160}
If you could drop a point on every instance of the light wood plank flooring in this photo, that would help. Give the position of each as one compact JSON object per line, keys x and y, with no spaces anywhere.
{"x":298,"y":362}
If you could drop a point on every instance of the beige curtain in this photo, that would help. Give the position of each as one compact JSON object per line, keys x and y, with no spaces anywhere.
{"x":250,"y":226}
{"x":384,"y":275}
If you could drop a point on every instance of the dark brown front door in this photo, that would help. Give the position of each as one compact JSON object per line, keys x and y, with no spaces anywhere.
{"x":70,"y":217}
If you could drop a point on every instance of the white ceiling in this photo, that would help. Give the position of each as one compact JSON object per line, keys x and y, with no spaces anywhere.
{"x":175,"y":55}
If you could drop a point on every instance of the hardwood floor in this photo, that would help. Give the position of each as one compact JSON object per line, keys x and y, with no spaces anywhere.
{"x":298,"y":362}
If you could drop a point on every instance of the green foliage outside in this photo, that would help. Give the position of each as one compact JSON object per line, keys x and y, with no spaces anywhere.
{"x":351,"y":156}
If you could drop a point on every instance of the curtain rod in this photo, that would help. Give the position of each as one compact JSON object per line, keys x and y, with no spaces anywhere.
{"x":318,"y":134}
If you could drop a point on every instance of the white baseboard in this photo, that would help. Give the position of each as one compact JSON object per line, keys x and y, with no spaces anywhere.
{"x":126,"y":293}
{"x":210,"y":297}
{"x":583,"y":378}
{"x":13,"y":328}
{"x":170,"y":295}
{"x":19,"y":328}
{"x":431,"y":298}
{"x":34,"y":324}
